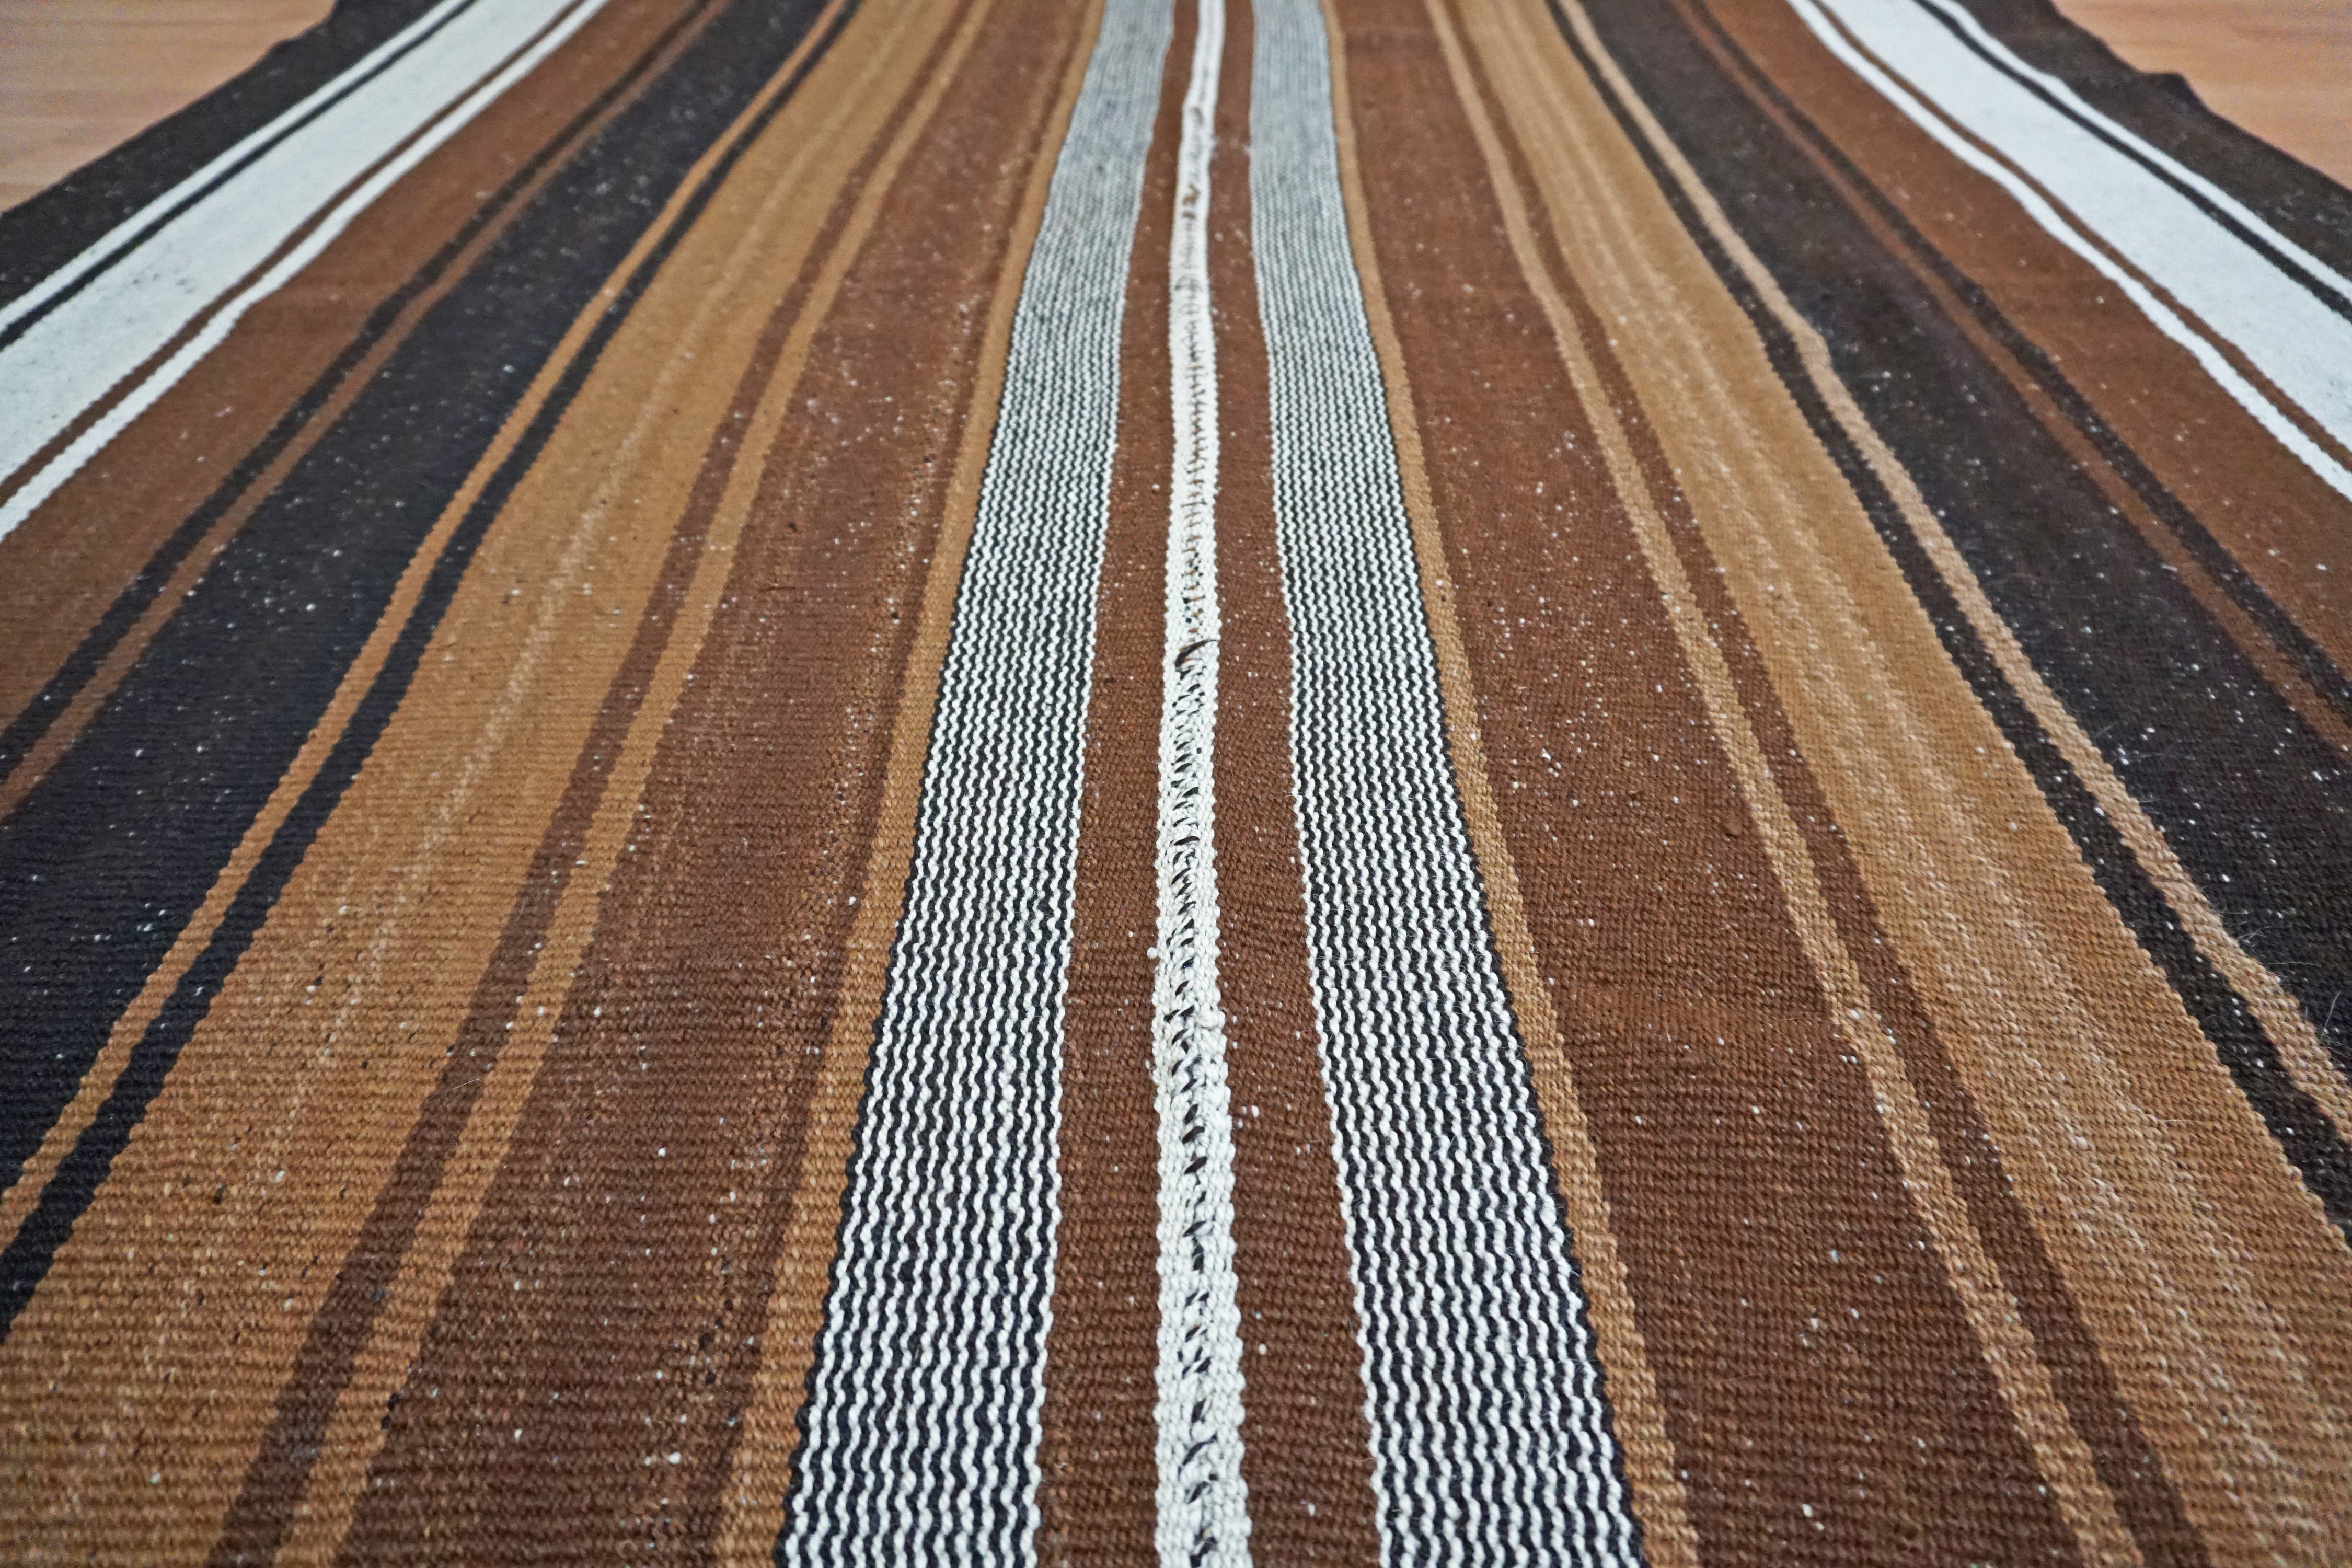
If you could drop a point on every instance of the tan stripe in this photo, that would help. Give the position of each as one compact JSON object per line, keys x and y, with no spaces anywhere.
{"x":84,"y":544}
{"x":2060,"y":1452}
{"x":887,"y":62}
{"x":2283,"y":1019}
{"x":612,"y":1327}
{"x":277,"y":1081}
{"x":100,"y":1079}
{"x":2123,"y":1459}
{"x":2298,"y":1043}
{"x":762,"y":1464}
{"x":2109,"y":1109}
{"x":1632,"y":1389}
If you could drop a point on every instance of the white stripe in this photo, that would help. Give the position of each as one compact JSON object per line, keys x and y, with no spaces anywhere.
{"x":74,"y":355}
{"x":2302,"y":346}
{"x":923,"y":1418}
{"x":1203,"y":1513}
{"x":1490,"y":1437}
{"x":1959,"y":16}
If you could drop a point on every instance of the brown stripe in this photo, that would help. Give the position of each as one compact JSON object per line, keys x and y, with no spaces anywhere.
{"x":1306,"y":1458}
{"x":2279,"y":666}
{"x":339,"y":1330}
{"x":98,"y":1080}
{"x":2122,"y":1136}
{"x":1097,"y":1457}
{"x":90,"y":413}
{"x":2126,"y":1463}
{"x":317,"y":1082}
{"x":2285,"y":406}
{"x":666,"y":1134}
{"x":104,"y":525}
{"x":762,"y":1467}
{"x":1778,"y":1420}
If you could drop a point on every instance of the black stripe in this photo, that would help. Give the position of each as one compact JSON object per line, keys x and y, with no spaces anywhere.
{"x":2308,"y":657}
{"x":29,"y":725}
{"x":2308,"y":1138}
{"x":2325,"y":292}
{"x":2298,"y":201}
{"x":42,"y":235}
{"x":186,"y":754}
{"x":278,"y":135}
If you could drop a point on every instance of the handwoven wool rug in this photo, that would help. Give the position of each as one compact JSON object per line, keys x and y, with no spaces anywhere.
{"x":1242,"y":780}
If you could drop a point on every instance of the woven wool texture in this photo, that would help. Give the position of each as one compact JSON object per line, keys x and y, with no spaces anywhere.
{"x":1203,"y":782}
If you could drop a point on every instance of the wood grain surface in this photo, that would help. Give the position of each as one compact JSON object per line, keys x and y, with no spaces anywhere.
{"x":76,"y":77}
{"x":2280,"y":69}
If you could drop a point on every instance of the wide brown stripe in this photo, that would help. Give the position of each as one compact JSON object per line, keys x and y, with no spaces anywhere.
{"x":2259,"y":633}
{"x":1692,"y":1014}
{"x":2126,"y":1463}
{"x":1305,"y":1457}
{"x":1096,"y":1457}
{"x":2149,"y":1177}
{"x":666,"y":1133}
{"x":256,"y":1165}
{"x":337,"y":1334}
{"x":86,"y":545}
{"x":1629,"y":1386}
{"x":762,"y":1469}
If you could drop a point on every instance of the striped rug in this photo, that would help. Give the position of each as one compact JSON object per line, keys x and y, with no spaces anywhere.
{"x":1203,"y":782}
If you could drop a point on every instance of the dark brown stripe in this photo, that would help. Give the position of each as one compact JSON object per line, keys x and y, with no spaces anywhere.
{"x":2125,"y":1462}
{"x":124,"y":540}
{"x":2295,"y":665}
{"x":1792,"y":1379}
{"x":663,"y":1140}
{"x":1101,"y":1432}
{"x":1307,"y":1456}
{"x":274,"y":1482}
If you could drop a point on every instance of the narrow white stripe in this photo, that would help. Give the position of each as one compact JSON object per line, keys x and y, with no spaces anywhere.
{"x":1490,"y":1436}
{"x":2301,"y":345}
{"x":923,"y":1419}
{"x":1203,"y":1513}
{"x":72,"y":356}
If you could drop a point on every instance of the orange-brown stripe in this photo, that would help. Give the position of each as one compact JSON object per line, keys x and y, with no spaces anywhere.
{"x":1096,"y":1456}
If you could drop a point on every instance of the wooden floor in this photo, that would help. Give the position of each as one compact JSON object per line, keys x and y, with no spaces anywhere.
{"x":2280,"y":69}
{"x":79,"y":76}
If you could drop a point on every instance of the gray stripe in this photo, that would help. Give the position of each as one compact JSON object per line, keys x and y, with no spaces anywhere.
{"x":1490,"y":1439}
{"x":922,"y":1430}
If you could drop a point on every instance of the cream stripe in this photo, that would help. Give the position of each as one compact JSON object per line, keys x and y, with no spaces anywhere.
{"x":2283,"y":1019}
{"x":1203,"y":1506}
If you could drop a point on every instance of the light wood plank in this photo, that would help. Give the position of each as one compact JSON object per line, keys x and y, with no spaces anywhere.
{"x":2280,"y":69}
{"x":78,"y":77}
